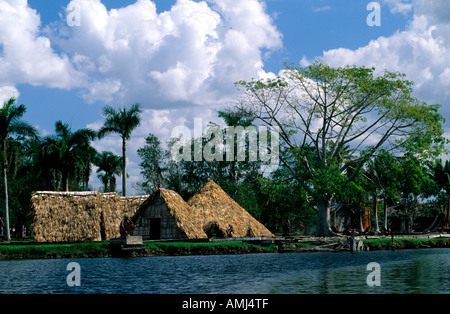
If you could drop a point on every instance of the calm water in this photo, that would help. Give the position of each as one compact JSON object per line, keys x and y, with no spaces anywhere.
{"x":403,"y":271}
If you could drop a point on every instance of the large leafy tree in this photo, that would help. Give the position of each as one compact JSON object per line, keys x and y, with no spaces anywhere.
{"x":10,"y":123}
{"x":121,"y":121}
{"x":153,"y":163}
{"x":332,"y":120}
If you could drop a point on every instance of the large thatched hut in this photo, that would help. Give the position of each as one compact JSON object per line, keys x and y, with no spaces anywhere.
{"x":165,"y":215}
{"x":80,"y":216}
{"x":92,"y":216}
{"x":216,"y":211}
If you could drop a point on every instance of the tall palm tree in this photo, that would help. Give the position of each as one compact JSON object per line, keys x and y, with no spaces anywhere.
{"x":70,"y":151}
{"x":111,"y":165}
{"x":10,"y":123}
{"x":121,"y":121}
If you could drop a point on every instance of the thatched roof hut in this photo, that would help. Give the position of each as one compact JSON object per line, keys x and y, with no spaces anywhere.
{"x":92,"y":216}
{"x":215,"y":209}
{"x":165,"y":215}
{"x":80,"y":216}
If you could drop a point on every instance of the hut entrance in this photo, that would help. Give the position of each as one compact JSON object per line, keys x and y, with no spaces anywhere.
{"x":155,"y":228}
{"x":212,"y":230}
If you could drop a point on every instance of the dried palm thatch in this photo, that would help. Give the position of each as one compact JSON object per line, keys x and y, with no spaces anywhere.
{"x":176,"y":217}
{"x":79,"y":216}
{"x":212,"y":207}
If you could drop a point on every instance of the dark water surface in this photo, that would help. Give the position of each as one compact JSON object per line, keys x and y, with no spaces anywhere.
{"x":403,"y":271}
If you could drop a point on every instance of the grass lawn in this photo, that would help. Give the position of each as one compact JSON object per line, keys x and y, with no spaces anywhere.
{"x":29,"y":250}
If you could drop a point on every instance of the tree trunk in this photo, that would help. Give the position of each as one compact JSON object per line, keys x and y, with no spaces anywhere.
{"x":124,"y":168}
{"x":324,"y":219}
{"x":375,"y":212}
{"x":66,"y":181}
{"x":447,"y":215}
{"x":6,"y":233}
{"x":112,"y":184}
{"x":361,"y":227}
{"x":385,"y":225}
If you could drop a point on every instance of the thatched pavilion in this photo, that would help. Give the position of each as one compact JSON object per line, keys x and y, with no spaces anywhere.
{"x":165,"y":215}
{"x":215,"y":211}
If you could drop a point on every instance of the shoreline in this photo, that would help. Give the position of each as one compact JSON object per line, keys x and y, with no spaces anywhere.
{"x":30,"y":250}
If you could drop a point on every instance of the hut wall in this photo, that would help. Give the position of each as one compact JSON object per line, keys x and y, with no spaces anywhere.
{"x":157,"y":211}
{"x":113,"y":208}
{"x":65,"y":219}
{"x":79,"y":216}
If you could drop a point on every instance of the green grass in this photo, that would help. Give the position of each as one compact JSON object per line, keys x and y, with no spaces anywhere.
{"x":100,"y":249}
{"x":97,"y":249}
{"x":27,"y":251}
{"x":186,"y":248}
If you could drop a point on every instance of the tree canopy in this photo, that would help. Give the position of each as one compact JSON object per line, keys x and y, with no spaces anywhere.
{"x":333,"y":120}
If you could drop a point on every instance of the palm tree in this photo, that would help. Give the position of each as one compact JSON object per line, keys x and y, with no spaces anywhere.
{"x":111,"y":164}
{"x":10,"y":123}
{"x":441,"y":176}
{"x":121,"y":121}
{"x":70,"y":151}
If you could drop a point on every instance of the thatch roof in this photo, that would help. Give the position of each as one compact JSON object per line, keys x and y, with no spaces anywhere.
{"x":80,"y":216}
{"x":179,"y":210}
{"x":212,"y":204}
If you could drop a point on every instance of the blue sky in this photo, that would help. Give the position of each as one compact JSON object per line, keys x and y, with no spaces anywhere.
{"x":182,"y":62}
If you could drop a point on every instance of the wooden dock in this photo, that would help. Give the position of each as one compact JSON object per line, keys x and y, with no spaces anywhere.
{"x":127,"y":246}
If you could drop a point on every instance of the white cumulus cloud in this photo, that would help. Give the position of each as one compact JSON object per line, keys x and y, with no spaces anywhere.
{"x":191,"y":54}
{"x":421,"y":51}
{"x":25,"y":55}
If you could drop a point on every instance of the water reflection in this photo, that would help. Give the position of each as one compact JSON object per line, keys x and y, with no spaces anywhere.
{"x":407,"y":271}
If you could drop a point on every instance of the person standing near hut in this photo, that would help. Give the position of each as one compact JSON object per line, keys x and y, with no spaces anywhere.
{"x":126,"y":227}
{"x":230,"y":231}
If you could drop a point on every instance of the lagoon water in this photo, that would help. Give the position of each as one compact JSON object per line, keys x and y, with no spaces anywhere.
{"x":403,"y":271}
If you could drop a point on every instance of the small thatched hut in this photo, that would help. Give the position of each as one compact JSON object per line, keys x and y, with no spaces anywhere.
{"x":80,"y":216}
{"x":216,"y":211}
{"x":165,"y":215}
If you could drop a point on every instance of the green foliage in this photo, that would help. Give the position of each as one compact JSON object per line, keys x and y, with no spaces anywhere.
{"x":332,"y":121}
{"x":121,"y":121}
{"x":152,"y":168}
{"x":111,"y":165}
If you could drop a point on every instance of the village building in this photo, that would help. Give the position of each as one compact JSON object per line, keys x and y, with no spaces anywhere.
{"x":92,"y":216}
{"x":217,"y":212}
{"x":80,"y":216}
{"x":165,"y":215}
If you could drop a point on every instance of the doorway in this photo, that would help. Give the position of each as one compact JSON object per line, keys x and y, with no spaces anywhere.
{"x":155,"y":228}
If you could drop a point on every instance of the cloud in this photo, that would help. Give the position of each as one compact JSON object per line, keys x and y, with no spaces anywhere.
{"x":191,"y":54}
{"x":399,"y":6}
{"x":25,"y":55}
{"x":322,"y":9}
{"x":421,"y":51}
{"x":6,"y":92}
